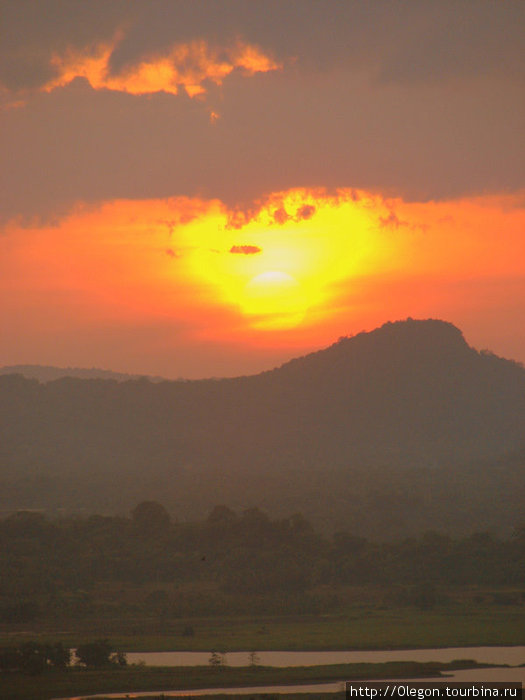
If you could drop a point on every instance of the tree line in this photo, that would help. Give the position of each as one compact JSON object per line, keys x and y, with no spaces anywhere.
{"x":33,"y":658}
{"x":239,"y":554}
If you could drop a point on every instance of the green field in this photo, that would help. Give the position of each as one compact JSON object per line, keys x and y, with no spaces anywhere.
{"x":355,"y":628}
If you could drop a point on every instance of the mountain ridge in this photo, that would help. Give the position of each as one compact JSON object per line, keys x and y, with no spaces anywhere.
{"x":437,"y":329}
{"x":49,"y":373}
{"x":409,"y":397}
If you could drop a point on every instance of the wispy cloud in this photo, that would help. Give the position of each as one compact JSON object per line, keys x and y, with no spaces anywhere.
{"x":305,"y":212}
{"x":245,"y":249}
{"x":184,"y":67}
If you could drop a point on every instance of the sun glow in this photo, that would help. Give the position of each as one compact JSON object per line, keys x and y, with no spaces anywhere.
{"x":273,"y":300}
{"x":301,"y":268}
{"x":279,"y":266}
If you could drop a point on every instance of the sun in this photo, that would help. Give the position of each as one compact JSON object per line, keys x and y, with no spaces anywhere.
{"x":274,"y":299}
{"x":286,"y":265}
{"x":271,"y":280}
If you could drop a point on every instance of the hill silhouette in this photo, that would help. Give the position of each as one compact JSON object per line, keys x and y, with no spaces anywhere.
{"x":48,"y":373}
{"x":403,"y":428}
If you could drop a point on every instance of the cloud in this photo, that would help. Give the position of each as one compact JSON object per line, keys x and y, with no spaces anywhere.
{"x":245,"y":249}
{"x":280,"y":215}
{"x":277,"y":131}
{"x":305,"y":212}
{"x":405,"y":43}
{"x":392,"y":221}
{"x":351,"y":107}
{"x":239,"y":215}
{"x":186,"y":66}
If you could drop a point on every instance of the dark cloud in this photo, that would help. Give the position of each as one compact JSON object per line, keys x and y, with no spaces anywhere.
{"x":281,"y":216}
{"x":241,"y":213}
{"x":305,"y":212}
{"x":245,"y":249}
{"x":391,"y":221}
{"x":418,"y":99}
{"x":33,"y":31}
{"x":407,"y":41}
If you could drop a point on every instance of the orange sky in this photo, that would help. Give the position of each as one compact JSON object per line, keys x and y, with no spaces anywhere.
{"x":304,"y":269}
{"x":209,"y":188}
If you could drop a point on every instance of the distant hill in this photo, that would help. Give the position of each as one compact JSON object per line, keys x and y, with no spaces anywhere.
{"x":46,"y":373}
{"x":389,"y":432}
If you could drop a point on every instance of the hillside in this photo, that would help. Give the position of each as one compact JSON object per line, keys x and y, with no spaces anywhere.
{"x":47,"y":373}
{"x":382,"y":430}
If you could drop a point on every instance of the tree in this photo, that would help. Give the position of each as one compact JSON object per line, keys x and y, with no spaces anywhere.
{"x":33,"y":658}
{"x":58,"y":655}
{"x":119,"y":658}
{"x":150,"y":517}
{"x":26,"y":522}
{"x":215,"y":659}
{"x":221,"y":514}
{"x":95,"y":654}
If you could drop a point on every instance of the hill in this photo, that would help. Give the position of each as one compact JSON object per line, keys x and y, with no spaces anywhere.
{"x":392,"y":431}
{"x":47,"y":373}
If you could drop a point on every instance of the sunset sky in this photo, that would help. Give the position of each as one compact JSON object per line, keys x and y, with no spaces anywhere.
{"x":207,"y":188}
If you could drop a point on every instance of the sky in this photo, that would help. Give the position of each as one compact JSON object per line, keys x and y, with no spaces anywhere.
{"x":201,"y":188}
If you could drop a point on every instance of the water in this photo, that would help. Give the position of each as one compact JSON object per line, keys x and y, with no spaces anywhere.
{"x":334,"y":687}
{"x":513,"y":656}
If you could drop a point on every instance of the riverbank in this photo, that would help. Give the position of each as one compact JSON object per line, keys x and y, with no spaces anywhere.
{"x":341,"y":695}
{"x":77,"y":682}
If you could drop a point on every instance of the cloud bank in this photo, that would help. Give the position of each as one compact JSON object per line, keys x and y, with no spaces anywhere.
{"x":234,"y":100}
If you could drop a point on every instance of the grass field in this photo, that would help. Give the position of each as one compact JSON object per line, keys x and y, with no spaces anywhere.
{"x":16,"y":686}
{"x":357,"y":628}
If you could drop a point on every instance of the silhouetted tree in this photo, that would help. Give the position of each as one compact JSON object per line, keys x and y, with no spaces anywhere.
{"x":215,"y":659}
{"x":150,"y":517}
{"x":33,"y":657}
{"x":95,"y":654}
{"x":58,"y":655}
{"x":221,"y":514}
